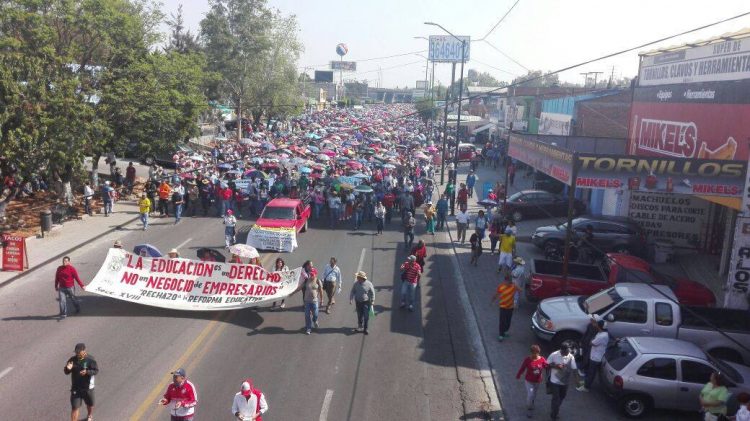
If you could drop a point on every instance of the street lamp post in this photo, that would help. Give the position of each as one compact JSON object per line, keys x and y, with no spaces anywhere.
{"x":460,"y":99}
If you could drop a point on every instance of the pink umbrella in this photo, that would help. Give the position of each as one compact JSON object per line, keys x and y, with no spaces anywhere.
{"x":354,"y":164}
{"x":328,"y":152}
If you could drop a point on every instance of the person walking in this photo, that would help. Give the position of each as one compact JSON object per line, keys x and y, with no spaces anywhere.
{"x":462,"y":223}
{"x":82,"y":369}
{"x":363,"y":295}
{"x":331,"y":282}
{"x":429,"y":216}
{"x":165,"y":192}
{"x":409,"y":224}
{"x":107,"y":193}
{"x":471,"y":180}
{"x":506,"y":295}
{"x":511,"y":172}
{"x":495,"y":229}
{"x":420,"y":252}
{"x":562,"y":364}
{"x":411,"y":272}
{"x":462,"y":198}
{"x":144,"y":208}
{"x":88,"y":194}
{"x":358,"y":209}
{"x":476,"y":248}
{"x":598,"y":346}
{"x":230,"y":222}
{"x":743,"y":412}
{"x":507,"y":249}
{"x":130,"y":177}
{"x":65,"y":279}
{"x":334,"y":206}
{"x":480,"y":224}
{"x":279,"y":266}
{"x":178,"y":201}
{"x":181,"y":397}
{"x":714,"y":396}
{"x":380,"y":217}
{"x":441,"y":209}
{"x":312,"y":295}
{"x":249,"y":403}
{"x":534,"y":366}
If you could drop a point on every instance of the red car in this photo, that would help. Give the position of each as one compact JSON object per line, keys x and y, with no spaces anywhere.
{"x":285,"y":213}
{"x":546,"y":279}
{"x":466,"y":152}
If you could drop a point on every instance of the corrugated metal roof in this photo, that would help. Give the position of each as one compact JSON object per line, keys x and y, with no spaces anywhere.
{"x":742,"y":33}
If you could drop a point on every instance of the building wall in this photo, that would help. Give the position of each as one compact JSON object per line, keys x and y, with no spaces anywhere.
{"x":606,"y":116}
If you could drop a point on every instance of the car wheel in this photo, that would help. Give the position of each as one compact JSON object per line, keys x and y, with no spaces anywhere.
{"x":622,"y":249}
{"x":149,"y":160}
{"x":517,"y":216}
{"x":304,"y":227}
{"x":635,"y":406}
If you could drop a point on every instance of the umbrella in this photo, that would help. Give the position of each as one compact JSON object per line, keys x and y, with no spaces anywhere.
{"x":150,"y":250}
{"x":314,"y":149}
{"x":389,"y":166}
{"x":198,"y":158}
{"x":363,"y":188}
{"x":305,"y":170}
{"x":360,"y":175}
{"x":245,"y":251}
{"x":323,"y":157}
{"x":255,"y":174}
{"x":487,"y":203}
{"x":224,"y":166}
{"x":210,"y":255}
{"x":329,"y":153}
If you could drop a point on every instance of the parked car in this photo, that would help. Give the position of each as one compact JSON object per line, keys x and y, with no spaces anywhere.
{"x":544,"y":182}
{"x":637,"y":309}
{"x":539,"y":204}
{"x":165,"y":157}
{"x":466,"y":152}
{"x":642,"y":373}
{"x":619,"y":234}
{"x":546,"y":279}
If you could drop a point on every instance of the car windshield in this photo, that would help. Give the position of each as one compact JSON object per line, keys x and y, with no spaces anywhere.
{"x":620,"y":354}
{"x":727,"y":370}
{"x":515,"y":197}
{"x":600,"y":301}
{"x":576,"y":222}
{"x":272,"y":212}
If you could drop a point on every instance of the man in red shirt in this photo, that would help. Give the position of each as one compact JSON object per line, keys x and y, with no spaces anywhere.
{"x":388,"y":201}
{"x":181,"y":397}
{"x":410,"y":274}
{"x":463,"y":196}
{"x":65,"y":279}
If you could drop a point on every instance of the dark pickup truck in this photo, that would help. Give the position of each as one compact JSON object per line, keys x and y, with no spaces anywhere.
{"x":583,"y":279}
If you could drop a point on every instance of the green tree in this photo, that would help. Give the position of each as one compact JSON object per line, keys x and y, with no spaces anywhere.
{"x":537,"y":79}
{"x":181,"y":40}
{"x":426,"y":109}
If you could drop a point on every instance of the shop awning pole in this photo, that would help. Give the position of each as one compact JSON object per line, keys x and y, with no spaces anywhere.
{"x":571,"y":212}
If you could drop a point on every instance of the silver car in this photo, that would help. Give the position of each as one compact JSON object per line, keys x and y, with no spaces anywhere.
{"x":645,"y":372}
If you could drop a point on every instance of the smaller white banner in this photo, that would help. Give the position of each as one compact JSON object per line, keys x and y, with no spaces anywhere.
{"x":554,"y":123}
{"x":278,"y":239}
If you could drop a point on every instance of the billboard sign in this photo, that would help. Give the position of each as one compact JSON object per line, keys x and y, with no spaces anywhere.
{"x":677,"y":218}
{"x":447,"y":49}
{"x":728,"y":60}
{"x":555,"y":123}
{"x":551,"y":160}
{"x":738,"y":281}
{"x":347,"y":66}
{"x":701,"y":120}
{"x":323,"y":76}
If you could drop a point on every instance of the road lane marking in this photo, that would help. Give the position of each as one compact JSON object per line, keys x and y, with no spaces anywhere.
{"x":179,"y":246}
{"x":326,"y":405}
{"x":151,"y":399}
{"x":5,"y":372}
{"x":361,"y":259}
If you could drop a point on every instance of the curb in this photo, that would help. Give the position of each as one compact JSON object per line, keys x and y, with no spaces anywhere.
{"x":477,"y":342}
{"x":66,"y":252}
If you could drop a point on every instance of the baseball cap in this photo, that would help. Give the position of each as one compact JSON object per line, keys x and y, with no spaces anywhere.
{"x":179,"y":372}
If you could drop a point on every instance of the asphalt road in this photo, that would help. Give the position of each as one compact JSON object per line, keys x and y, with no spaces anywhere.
{"x":405,"y":369}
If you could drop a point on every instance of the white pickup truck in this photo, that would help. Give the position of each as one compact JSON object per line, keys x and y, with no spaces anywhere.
{"x":634,"y":309}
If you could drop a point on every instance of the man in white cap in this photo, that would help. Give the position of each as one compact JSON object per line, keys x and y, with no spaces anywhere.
{"x":181,"y":397}
{"x":519,"y":275}
{"x":363,"y":293}
{"x":173,"y":254}
{"x":249,"y":403}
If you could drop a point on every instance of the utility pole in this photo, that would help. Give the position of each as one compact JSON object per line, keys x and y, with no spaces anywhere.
{"x":445,"y":127}
{"x":458,"y":126}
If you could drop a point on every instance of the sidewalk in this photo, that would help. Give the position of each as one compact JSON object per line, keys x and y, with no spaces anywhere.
{"x":71,"y":235}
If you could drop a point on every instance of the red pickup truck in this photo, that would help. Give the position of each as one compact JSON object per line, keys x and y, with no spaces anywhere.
{"x":546,"y":279}
{"x":285,"y":213}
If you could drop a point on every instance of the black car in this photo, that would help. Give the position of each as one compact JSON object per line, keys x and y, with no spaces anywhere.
{"x":165,"y":158}
{"x":539,"y":204}
{"x":544,"y":182}
{"x":617,"y":234}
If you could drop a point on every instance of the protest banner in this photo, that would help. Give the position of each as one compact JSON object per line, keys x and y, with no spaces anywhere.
{"x":271,"y":238}
{"x":14,"y":253}
{"x":183,"y":284}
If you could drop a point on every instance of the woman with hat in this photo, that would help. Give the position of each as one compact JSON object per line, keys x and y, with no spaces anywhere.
{"x":363,"y":293}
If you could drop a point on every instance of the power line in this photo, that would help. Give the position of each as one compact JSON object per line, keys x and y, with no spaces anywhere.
{"x":495,"y":68}
{"x":505,"y":55}
{"x":499,"y":22}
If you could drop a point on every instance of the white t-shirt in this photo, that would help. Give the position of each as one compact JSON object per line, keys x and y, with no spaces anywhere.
{"x":462,"y":217}
{"x":743,"y":414}
{"x":561,"y":375}
{"x":598,"y":346}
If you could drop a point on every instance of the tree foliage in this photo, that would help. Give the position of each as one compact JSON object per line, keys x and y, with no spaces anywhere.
{"x":483,"y":79}
{"x":426,"y":109}
{"x":537,"y":79}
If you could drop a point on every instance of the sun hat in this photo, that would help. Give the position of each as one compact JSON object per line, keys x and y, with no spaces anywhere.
{"x":519,"y":260}
{"x":361,"y":274}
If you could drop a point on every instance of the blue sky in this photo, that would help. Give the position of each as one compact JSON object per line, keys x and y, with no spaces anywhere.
{"x":538,"y":34}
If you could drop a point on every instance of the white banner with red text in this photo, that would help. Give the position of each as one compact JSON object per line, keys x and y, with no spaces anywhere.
{"x":183,"y":284}
{"x":268,"y":238}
